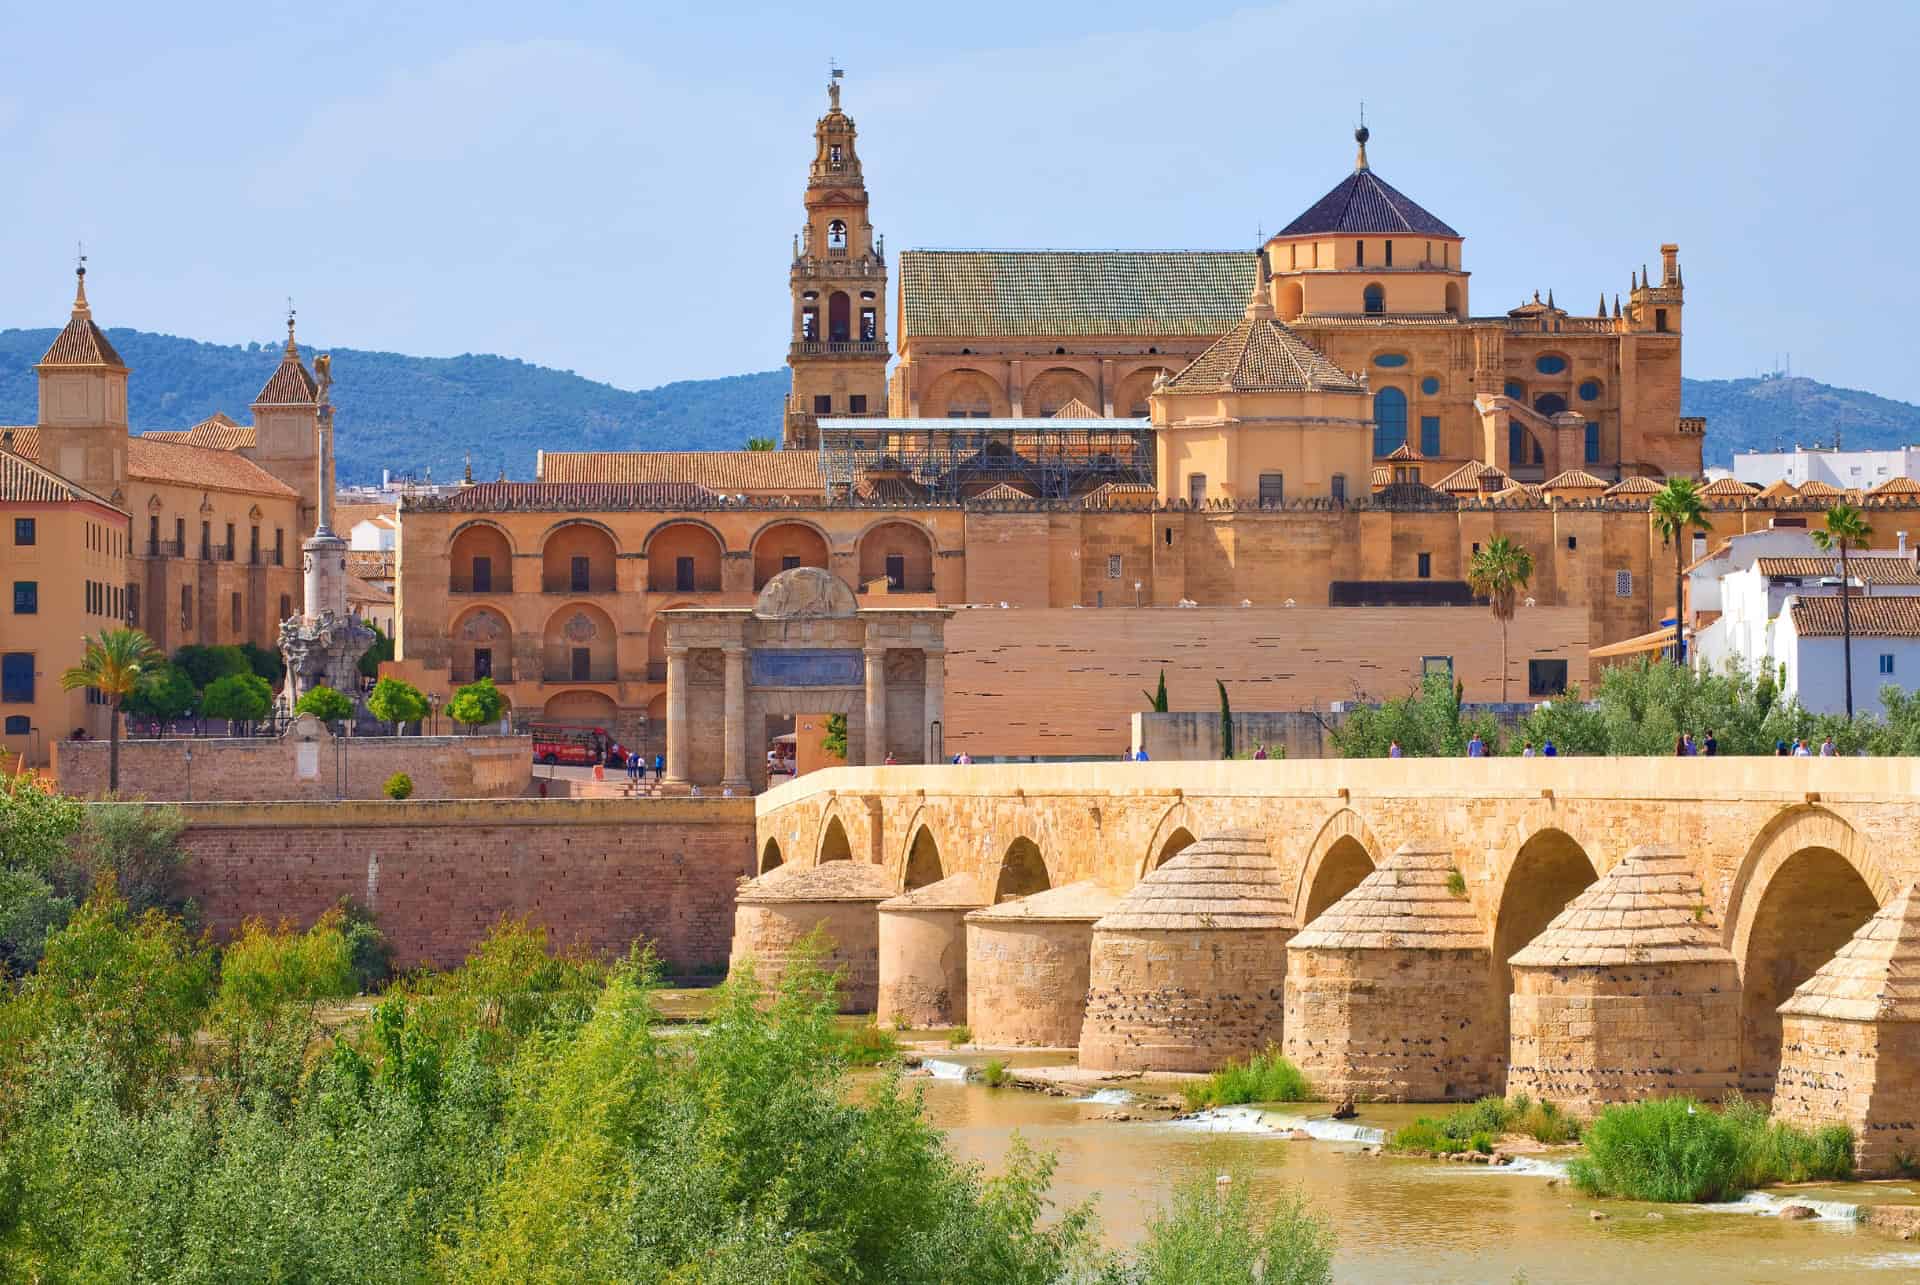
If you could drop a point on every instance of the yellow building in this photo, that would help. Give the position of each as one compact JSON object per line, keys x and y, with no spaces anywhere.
{"x":65,"y":574}
{"x":217,"y":512}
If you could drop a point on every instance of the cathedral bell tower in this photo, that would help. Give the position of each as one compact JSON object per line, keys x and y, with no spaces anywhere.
{"x":839,"y":284}
{"x":83,"y":401}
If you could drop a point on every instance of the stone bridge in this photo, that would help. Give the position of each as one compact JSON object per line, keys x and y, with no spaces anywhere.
{"x":1783,"y":860}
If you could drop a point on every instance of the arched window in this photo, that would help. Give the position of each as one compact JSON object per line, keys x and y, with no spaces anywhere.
{"x":836,"y":235}
{"x":1549,"y":404}
{"x":1550,"y":364}
{"x":1389,"y":421}
{"x":1374,"y":298}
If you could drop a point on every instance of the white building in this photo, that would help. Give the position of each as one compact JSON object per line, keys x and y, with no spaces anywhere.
{"x":1770,"y":600}
{"x":1848,"y":470}
{"x":380,"y":533}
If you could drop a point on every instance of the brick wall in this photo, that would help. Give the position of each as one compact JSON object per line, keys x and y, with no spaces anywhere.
{"x":1066,"y":681}
{"x":268,"y":768}
{"x":602,"y":873}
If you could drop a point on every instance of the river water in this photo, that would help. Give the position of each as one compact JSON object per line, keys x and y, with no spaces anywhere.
{"x":1404,"y":1220}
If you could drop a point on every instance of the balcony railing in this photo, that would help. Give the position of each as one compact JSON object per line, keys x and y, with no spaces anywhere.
{"x":906,"y":584}
{"x":163,"y":549}
{"x":499,"y":674}
{"x":598,"y":582}
{"x":673,"y":584}
{"x":465,"y":584}
{"x":216,"y":553}
{"x":568,"y":673}
{"x":824,"y":347}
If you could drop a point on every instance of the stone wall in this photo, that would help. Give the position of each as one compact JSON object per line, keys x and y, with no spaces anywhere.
{"x":1027,"y":981}
{"x":1861,"y":1074}
{"x":283,"y":768}
{"x":1065,"y":681}
{"x":770,"y":933}
{"x":1184,"y":1000}
{"x":599,"y":873}
{"x":923,"y":967}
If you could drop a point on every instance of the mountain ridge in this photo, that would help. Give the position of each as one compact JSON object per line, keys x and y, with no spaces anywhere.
{"x":414,"y":414}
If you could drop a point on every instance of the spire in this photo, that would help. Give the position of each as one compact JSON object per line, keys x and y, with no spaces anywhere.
{"x":1616,"y":305}
{"x":467,"y":480}
{"x":1259,"y":303}
{"x":293,"y":349}
{"x":1645,"y":279}
{"x":81,"y":312}
{"x":1361,"y":136}
{"x":834,"y":76}
{"x":1603,"y":305}
{"x":1549,"y":296}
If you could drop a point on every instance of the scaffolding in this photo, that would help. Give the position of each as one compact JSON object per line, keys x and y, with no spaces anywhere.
{"x":948,"y":460}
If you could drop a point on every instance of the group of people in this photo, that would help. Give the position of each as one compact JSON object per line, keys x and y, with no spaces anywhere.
{"x":1800,"y":750}
{"x":1686,"y":746}
{"x":637,"y":766}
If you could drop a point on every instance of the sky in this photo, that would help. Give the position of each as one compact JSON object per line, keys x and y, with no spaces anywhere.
{"x":613,"y":188}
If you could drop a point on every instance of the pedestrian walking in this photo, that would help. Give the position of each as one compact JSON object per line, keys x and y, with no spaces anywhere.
{"x":1476,"y":748}
{"x":1828,"y":749}
{"x":1394,"y":751}
{"x":1800,"y":750}
{"x":659,"y":767}
{"x":1526,"y":749}
{"x":1547,"y":750}
{"x":1711,"y":745}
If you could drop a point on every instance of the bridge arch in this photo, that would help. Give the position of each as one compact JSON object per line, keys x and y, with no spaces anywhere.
{"x":1173,"y":832}
{"x":833,"y":843}
{"x":1546,"y":872}
{"x":1343,"y":853}
{"x":923,"y":864}
{"x":1806,"y":885}
{"x":1023,"y":871}
{"x":770,"y":855}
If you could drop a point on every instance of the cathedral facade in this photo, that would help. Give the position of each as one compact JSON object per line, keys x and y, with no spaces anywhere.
{"x":1320,"y":421}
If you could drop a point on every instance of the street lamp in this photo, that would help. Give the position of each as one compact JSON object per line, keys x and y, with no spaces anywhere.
{"x":433,"y":712}
{"x":189,"y":771}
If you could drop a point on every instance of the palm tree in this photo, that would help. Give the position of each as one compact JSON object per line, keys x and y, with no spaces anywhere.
{"x":1678,"y":508}
{"x":1498,"y":572}
{"x":115,"y":664}
{"x":1846,"y":527}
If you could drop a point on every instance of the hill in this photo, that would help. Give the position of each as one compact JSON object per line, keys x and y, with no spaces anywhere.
{"x":409,"y":414}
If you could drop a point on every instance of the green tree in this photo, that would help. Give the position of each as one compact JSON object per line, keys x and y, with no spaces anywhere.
{"x":137,"y":846}
{"x":834,"y":739}
{"x":37,"y":826}
{"x":476,"y":703}
{"x":115,"y":663}
{"x":1678,"y":508}
{"x":1158,"y":698}
{"x":397,"y":702}
{"x":1846,"y":528}
{"x":265,"y":662}
{"x":1428,"y":723}
{"x":382,"y":649}
{"x":167,"y":694}
{"x":1226,"y":721}
{"x":205,"y":665}
{"x":325,"y":704}
{"x":1209,"y":1236}
{"x":1499,"y":572}
{"x":760,"y":443}
{"x":238,"y":698}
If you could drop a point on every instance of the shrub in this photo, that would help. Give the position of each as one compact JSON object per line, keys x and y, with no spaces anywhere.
{"x":1456,"y":883}
{"x":1677,"y":1150}
{"x":901,"y":1022}
{"x":139,"y":846}
{"x":1208,"y":1236}
{"x":868,"y":1045}
{"x":960,"y":1035}
{"x":168,"y":693}
{"x":1489,"y":1118}
{"x":994,"y":1074}
{"x":397,"y":702}
{"x":399,"y":786}
{"x":476,"y":703}
{"x":368,"y":951}
{"x":1266,"y":1077}
{"x":325,"y":704}
{"x":243,"y":698}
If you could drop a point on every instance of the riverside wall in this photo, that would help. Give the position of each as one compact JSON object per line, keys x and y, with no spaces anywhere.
{"x":269,"y":768}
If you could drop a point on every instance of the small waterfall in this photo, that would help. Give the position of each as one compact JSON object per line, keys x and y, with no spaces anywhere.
{"x":1107,"y":1098}
{"x":1326,"y":1129}
{"x":1766,"y":1204}
{"x":941,"y":1070}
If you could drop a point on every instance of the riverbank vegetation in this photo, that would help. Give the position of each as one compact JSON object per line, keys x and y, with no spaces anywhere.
{"x":1209,"y":1234}
{"x":1264,"y":1077}
{"x":1479,"y":1126}
{"x":1681,"y":1150}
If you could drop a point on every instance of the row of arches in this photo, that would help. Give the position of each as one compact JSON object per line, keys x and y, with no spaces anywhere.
{"x":969,"y":393}
{"x":1805,"y":887}
{"x":684,"y":555}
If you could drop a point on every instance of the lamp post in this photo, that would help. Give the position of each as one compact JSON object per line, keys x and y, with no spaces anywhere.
{"x":189,"y":771}
{"x":433,"y":712}
{"x":1136,"y":593}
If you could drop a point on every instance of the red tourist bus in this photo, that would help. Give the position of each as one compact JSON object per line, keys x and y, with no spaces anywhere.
{"x":555,"y":743}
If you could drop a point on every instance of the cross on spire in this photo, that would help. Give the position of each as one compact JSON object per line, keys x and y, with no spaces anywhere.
{"x":80,"y":308}
{"x":293,"y":349}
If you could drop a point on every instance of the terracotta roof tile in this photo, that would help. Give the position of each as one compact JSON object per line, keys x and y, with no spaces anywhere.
{"x":200,"y":466}
{"x":1381,"y":476}
{"x":1075,"y":409}
{"x":1731,"y":488}
{"x":220,"y":433}
{"x":1874,"y":568}
{"x":1780,"y":490}
{"x":291,"y":384}
{"x":349,"y":514}
{"x":1897,"y":486}
{"x":24,"y":482}
{"x":1003,"y":491}
{"x":1574,"y":480}
{"x":1365,"y":202}
{"x":1261,"y":355}
{"x":1634,"y":486}
{"x":371,"y":564}
{"x":1872,"y":617}
{"x":721,"y":471}
{"x":82,"y":344}
{"x":584,"y":497}
{"x":1108,"y":494}
{"x":1404,"y":454}
{"x":964,"y":293}
{"x":1473,"y":476}
{"x":1824,"y":490}
{"x":1875,"y":977}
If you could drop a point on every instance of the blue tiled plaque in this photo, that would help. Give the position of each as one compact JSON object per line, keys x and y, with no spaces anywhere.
{"x":808,"y":667}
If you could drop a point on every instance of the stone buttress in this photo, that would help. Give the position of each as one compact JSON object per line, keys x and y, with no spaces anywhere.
{"x":1027,"y":966}
{"x":1187,"y":971}
{"x":1850,"y":1042}
{"x":923,"y":952}
{"x":1627,"y":993}
{"x":1389,"y":990}
{"x":775,"y":911}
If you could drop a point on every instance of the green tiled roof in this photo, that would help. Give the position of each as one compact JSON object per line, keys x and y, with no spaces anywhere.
{"x":990,"y":293}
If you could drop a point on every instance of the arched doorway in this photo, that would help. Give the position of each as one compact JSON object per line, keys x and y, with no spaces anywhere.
{"x":1293,"y":301}
{"x":839,"y":314}
{"x":833,"y":844}
{"x":900,"y":554}
{"x":770,"y":855}
{"x":1176,"y":842}
{"x":1341,"y":871}
{"x":923,"y":860}
{"x":583,"y":709}
{"x":1023,"y":872}
{"x":964,"y":394}
{"x":1549,"y":404}
{"x":1053,"y":388}
{"x":782,"y":546}
{"x":1815,"y":901}
{"x":683,"y":557}
{"x":1131,"y":398}
{"x":579,"y":646}
{"x":1550,"y":870}
{"x":482,"y":560}
{"x":481,"y":646}
{"x":577,"y":557}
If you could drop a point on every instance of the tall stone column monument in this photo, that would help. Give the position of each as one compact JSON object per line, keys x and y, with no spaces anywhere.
{"x":323,"y":645}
